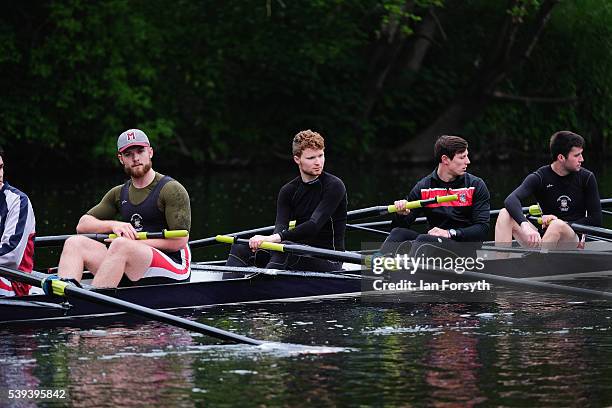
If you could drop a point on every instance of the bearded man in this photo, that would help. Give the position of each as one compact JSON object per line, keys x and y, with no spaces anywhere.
{"x":147,"y":202}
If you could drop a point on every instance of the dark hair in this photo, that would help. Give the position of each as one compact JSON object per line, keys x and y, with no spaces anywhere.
{"x":563,"y":141}
{"x":449,"y":146}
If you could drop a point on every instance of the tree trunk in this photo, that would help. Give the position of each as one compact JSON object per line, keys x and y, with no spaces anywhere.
{"x":394,"y":51}
{"x":505,"y":54}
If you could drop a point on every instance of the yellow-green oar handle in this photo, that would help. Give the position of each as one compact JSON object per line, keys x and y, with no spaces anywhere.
{"x":536,"y":219}
{"x":272,"y":246}
{"x":176,"y":233}
{"x":58,"y":287}
{"x":535,"y":210}
{"x":225,"y":239}
{"x":422,"y":203}
{"x":152,"y":235}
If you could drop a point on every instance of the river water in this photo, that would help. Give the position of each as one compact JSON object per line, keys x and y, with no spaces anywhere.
{"x":520,"y":350}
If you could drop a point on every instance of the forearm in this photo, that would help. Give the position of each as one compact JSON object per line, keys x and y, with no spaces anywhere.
{"x":302,"y":232}
{"x":89,"y":224}
{"x":513,"y":203}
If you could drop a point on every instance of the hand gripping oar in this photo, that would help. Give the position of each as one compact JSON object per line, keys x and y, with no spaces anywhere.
{"x":391,"y":209}
{"x":52,"y":240}
{"x":367,"y":261}
{"x":386,"y":209}
{"x":61,"y":288}
{"x":355,"y":214}
{"x":536,"y":213}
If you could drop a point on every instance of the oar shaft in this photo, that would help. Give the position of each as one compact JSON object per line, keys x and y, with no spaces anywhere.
{"x":422,"y":203}
{"x":76,"y":292}
{"x":506,"y":280}
{"x":70,"y":291}
{"x":324,"y":253}
{"x":351,"y":215}
{"x":366,"y":229}
{"x":58,"y":239}
{"x":587,"y":229}
{"x":213,"y":240}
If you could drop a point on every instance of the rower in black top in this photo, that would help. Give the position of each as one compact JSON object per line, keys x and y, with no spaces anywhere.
{"x":316,"y":200}
{"x":463,"y":220}
{"x":319,"y":209}
{"x":565,"y":191}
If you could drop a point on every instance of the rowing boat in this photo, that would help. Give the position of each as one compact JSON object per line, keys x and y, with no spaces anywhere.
{"x":209,"y":285}
{"x":215,"y":285}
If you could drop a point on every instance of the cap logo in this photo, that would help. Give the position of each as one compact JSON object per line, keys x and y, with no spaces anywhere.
{"x":131,"y":136}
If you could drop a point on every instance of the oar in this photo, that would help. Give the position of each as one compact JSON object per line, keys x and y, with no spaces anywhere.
{"x":55,"y":239}
{"x":366,"y":229}
{"x":366,"y":226}
{"x":367,"y":259}
{"x":587,"y":229}
{"x":387,"y":209}
{"x":324,"y":253}
{"x":598,"y":232}
{"x":530,"y":284}
{"x":354,"y":214}
{"x":61,"y":288}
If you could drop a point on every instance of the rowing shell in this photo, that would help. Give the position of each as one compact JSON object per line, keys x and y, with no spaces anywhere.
{"x":214,"y":285}
{"x":209,"y":285}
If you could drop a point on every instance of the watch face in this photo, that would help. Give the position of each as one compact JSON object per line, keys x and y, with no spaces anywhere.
{"x":452,"y":232}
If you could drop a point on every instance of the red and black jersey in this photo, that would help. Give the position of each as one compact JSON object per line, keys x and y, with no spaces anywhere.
{"x":469,"y":215}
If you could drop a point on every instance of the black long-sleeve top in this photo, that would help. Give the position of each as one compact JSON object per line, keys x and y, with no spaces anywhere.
{"x":572,"y":198}
{"x":319,"y":207}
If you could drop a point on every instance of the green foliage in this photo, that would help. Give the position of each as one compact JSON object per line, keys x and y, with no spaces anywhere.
{"x":223,"y":80}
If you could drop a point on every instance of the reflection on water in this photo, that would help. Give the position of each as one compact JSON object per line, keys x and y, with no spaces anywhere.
{"x":518,"y":351}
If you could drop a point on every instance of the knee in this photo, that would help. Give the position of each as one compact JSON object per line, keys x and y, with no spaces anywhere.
{"x":503,"y":216}
{"x":75,"y":242}
{"x":120,"y":246}
{"x":558,"y":226}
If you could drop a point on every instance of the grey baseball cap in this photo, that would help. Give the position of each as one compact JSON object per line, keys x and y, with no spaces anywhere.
{"x":132,"y":137}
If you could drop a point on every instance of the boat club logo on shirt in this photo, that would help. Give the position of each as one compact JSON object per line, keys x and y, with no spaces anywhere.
{"x":465,"y":196}
{"x":136,"y":222}
{"x":564,"y":203}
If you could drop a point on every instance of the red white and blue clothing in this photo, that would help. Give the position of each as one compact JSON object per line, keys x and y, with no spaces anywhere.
{"x":17,"y":229}
{"x":469,"y":215}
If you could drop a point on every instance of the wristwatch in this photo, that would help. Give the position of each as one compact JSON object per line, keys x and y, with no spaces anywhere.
{"x":452,"y":233}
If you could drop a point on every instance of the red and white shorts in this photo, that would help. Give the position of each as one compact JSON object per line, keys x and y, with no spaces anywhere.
{"x":164,"y":266}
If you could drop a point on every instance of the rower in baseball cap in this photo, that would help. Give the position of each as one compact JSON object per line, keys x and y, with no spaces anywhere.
{"x":132,"y":137}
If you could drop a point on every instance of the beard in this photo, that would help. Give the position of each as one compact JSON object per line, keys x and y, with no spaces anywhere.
{"x":138,"y":171}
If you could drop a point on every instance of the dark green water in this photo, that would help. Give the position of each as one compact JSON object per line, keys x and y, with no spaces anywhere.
{"x":522,"y":350}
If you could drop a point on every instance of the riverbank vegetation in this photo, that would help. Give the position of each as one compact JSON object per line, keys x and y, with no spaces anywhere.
{"x":225,"y":82}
